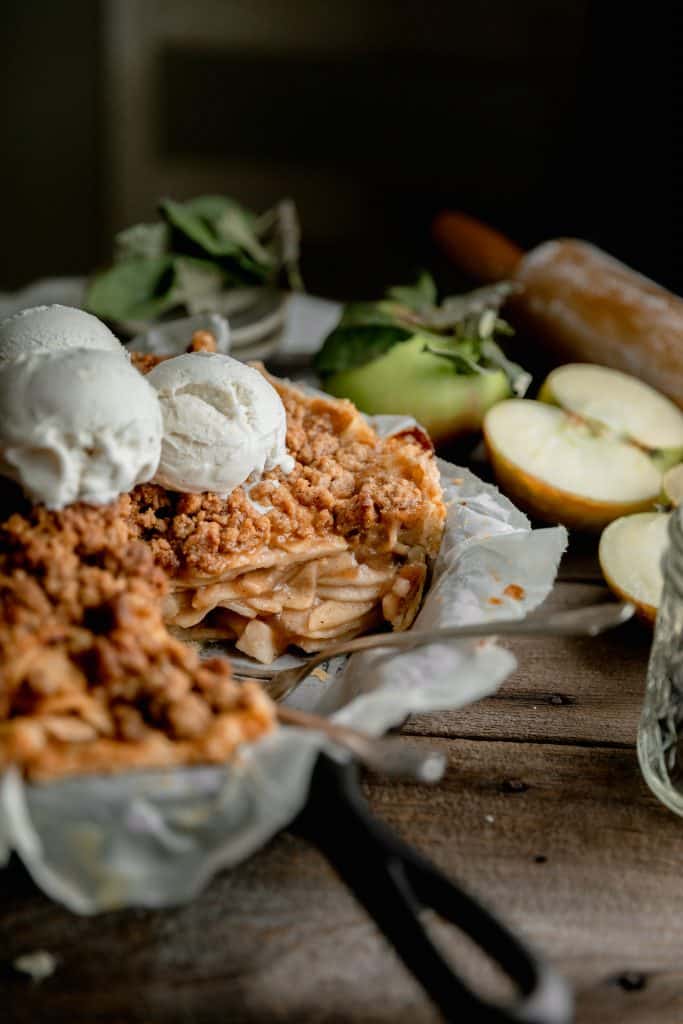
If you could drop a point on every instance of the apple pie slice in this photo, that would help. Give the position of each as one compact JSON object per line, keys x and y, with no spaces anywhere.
{"x":340,"y":546}
{"x":91,"y":679}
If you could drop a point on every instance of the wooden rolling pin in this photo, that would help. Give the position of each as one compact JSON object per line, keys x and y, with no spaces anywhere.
{"x":579,"y":303}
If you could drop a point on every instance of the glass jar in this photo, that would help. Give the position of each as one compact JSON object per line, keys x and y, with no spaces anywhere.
{"x":660,"y":735}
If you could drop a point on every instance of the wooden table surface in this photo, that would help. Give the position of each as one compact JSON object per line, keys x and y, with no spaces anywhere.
{"x":542,"y":813}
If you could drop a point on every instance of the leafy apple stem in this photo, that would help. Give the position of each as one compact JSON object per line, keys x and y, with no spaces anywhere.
{"x":461,"y":329}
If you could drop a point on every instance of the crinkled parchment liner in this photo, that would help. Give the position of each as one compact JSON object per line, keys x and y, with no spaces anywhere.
{"x":156,"y":838}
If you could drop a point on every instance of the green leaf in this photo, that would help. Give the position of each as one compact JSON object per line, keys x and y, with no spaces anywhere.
{"x":139,"y":289}
{"x":283,"y":222}
{"x":371,"y":314}
{"x":496,"y":358}
{"x":219,"y":227}
{"x":463,"y":356}
{"x":235,"y":227}
{"x":455,"y":310}
{"x":196,"y":284}
{"x":142,"y":241}
{"x":350,"y":346}
{"x":201,"y":247}
{"x":196,"y":220}
{"x":481,"y":355}
{"x":143,"y":289}
{"x":416,"y":296}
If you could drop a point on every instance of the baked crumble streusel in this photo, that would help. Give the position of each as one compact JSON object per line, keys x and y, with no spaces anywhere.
{"x":90,"y":678}
{"x":338,"y":546}
{"x":345,"y":482}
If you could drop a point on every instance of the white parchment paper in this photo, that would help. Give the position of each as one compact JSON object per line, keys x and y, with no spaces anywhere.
{"x":156,"y":838}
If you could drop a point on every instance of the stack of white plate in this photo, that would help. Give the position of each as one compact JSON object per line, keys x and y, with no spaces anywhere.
{"x":263,"y":322}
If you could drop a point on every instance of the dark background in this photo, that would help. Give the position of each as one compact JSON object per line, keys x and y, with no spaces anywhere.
{"x":545,"y":118}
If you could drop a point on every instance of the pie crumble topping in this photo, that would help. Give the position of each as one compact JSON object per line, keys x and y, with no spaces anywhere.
{"x":90,"y":678}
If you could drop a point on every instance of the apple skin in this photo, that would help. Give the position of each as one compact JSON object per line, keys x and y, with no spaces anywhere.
{"x":408,"y":381}
{"x":645,"y":612}
{"x":551,"y":504}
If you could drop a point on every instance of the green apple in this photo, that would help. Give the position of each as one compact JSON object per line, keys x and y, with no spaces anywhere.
{"x":411,"y":355}
{"x":409,"y":380}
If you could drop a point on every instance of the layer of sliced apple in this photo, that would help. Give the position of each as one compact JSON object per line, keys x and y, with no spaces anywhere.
{"x":561,"y":468}
{"x":630,"y":409}
{"x":630,"y":555}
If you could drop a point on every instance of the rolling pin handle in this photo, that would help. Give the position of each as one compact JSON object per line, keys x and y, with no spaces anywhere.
{"x":478,"y":250}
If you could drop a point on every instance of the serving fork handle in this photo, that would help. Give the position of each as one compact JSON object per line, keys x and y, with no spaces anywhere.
{"x":390,"y":756}
{"x":587,"y":621}
{"x":394,"y":883}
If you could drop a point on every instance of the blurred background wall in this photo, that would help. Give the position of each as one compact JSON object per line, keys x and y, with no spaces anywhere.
{"x":544,"y":117}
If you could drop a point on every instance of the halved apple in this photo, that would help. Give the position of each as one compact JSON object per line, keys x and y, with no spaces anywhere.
{"x":625,"y":405}
{"x":630,"y":555}
{"x":561,"y":469}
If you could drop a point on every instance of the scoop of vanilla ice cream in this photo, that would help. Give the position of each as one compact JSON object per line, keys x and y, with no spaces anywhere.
{"x":54,"y":329}
{"x":223,"y":423}
{"x":77,"y":425}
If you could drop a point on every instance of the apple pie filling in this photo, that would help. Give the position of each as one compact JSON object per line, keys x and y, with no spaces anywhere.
{"x":308,"y":601}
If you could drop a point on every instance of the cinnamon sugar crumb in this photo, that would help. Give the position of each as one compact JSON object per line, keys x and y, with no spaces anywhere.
{"x":146,"y":361}
{"x":346,"y":481}
{"x":202,"y":341}
{"x":90,"y":679}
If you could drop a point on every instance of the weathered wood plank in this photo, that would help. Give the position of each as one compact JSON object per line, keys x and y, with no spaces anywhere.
{"x":580,"y":561}
{"x":563,"y":690}
{"x":566,"y":843}
{"x":633,"y":998}
{"x":563,"y":840}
